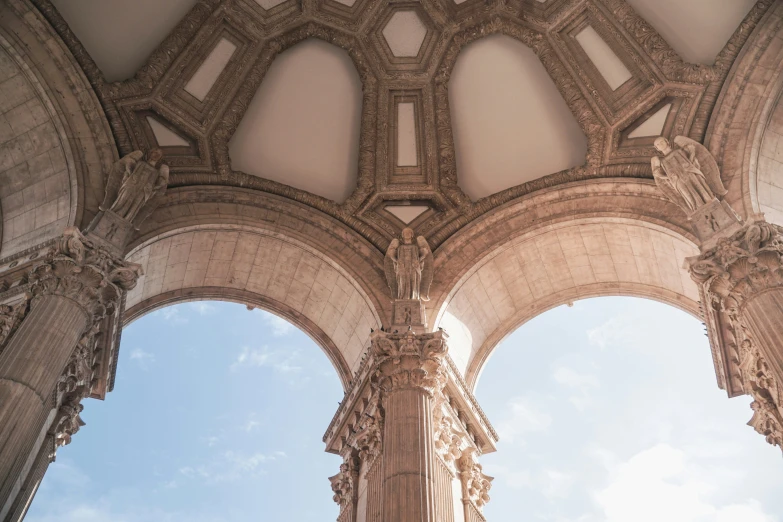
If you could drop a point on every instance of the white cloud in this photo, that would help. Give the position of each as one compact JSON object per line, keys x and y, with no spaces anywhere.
{"x":613,"y":332}
{"x":582,"y":383}
{"x":525,"y":417}
{"x":280,"y":361}
{"x":660,"y":483}
{"x":202,"y":307}
{"x":556,"y":484}
{"x":142,"y":358}
{"x":232,"y":466}
{"x":279,"y":326}
{"x":171,"y":315}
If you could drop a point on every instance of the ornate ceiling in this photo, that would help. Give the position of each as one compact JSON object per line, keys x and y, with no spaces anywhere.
{"x":445,"y":108}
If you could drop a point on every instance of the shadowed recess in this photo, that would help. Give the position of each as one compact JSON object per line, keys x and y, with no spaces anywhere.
{"x":121,"y":35}
{"x":696,"y":29}
{"x":302,"y":127}
{"x":511,"y":125}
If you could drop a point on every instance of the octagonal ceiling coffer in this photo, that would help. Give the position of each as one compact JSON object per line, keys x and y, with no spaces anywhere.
{"x":404,"y":36}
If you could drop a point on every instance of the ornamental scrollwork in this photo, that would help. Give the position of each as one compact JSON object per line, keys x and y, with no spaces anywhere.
{"x":89,"y":275}
{"x":344,"y":484}
{"x":759,"y":382}
{"x":409,"y":361}
{"x":475,"y":484}
{"x":747,"y":262}
{"x":10,"y":318}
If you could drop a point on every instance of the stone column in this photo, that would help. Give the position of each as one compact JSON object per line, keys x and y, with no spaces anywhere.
{"x":410,"y":433}
{"x":741,"y":284}
{"x":74,"y":287}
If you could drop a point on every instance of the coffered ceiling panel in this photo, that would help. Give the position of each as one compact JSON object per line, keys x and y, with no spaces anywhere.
{"x":120,"y":35}
{"x":511,"y":125}
{"x":696,"y":29}
{"x":302,"y":127}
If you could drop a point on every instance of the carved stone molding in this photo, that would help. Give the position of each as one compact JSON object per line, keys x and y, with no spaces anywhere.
{"x":409,"y":361}
{"x":759,"y":383}
{"x":475,"y":484}
{"x":10,"y":318}
{"x":740,"y":266}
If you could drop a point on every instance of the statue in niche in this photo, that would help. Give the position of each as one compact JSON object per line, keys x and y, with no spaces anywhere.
{"x":687,"y":174}
{"x":136,"y":186}
{"x":409,"y":267}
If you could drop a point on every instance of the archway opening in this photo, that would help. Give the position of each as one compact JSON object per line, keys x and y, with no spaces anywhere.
{"x":608,"y":411}
{"x":217,"y":414}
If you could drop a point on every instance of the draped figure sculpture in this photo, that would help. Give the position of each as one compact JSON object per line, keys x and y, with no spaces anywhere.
{"x":687,"y":174}
{"x":408,"y":267}
{"x":135,"y":185}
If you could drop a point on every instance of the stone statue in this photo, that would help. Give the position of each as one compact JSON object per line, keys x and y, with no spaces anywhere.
{"x":686,"y":174}
{"x":409,"y":267}
{"x":136,"y":186}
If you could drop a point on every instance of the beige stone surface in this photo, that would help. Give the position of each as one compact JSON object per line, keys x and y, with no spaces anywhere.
{"x":34,"y":184}
{"x":271,"y":266}
{"x":555,"y":265}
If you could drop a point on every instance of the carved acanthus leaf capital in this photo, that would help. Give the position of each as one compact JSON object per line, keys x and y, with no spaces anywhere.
{"x":747,"y":262}
{"x":68,"y":421}
{"x":75,"y":268}
{"x":409,"y":361}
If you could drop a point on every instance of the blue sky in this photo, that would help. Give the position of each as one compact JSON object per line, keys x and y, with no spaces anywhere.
{"x":608,"y":411}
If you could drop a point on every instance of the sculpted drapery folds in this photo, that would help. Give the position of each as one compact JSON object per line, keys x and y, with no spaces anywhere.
{"x":136,"y":186}
{"x":409,"y":267}
{"x":687,"y":174}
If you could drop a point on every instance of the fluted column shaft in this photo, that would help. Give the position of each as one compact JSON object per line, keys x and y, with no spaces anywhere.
{"x":763,"y":315}
{"x":46,"y":364}
{"x":408,"y":481}
{"x":30,"y":365}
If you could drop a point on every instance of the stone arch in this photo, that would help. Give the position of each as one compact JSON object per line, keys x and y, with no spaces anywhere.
{"x":54,"y":134}
{"x":585,"y":240}
{"x":261,"y":268}
{"x":743,"y":131}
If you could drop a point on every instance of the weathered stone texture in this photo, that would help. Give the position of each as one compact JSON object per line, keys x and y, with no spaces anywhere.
{"x":34,"y":186}
{"x":272,"y":267}
{"x":559,"y":264}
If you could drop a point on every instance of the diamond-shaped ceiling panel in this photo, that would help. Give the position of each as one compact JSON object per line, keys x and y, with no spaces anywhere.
{"x":405,"y":33}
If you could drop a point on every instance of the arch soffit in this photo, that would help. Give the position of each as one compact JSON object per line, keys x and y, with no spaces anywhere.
{"x":225,"y":206}
{"x":236,"y":295}
{"x":587,"y":239}
{"x":257,"y":266}
{"x":745,"y":105}
{"x":62,"y":181}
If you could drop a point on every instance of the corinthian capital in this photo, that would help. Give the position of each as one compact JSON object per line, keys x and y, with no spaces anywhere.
{"x":738,"y":266}
{"x":81,"y":271}
{"x":759,"y":382}
{"x":409,"y":361}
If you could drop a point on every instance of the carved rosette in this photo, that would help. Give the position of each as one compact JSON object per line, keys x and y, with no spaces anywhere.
{"x":740,"y":266}
{"x":88,"y":275}
{"x":409,"y":361}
